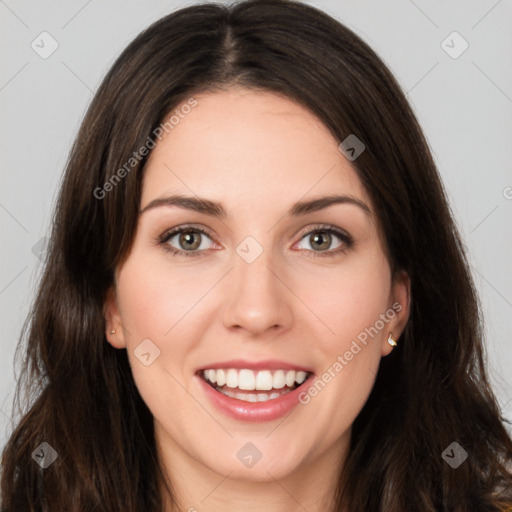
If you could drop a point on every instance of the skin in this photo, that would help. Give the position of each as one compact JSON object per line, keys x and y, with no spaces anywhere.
{"x":257,"y":153}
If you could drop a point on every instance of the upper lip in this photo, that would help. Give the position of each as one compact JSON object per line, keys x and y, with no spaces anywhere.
{"x":267,"y":364}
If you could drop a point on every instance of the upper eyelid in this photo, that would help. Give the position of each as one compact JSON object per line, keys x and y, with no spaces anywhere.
{"x":184,"y":227}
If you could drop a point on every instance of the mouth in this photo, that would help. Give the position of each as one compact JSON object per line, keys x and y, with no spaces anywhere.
{"x":247,"y":385}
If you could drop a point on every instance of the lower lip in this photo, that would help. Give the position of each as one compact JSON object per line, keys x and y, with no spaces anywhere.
{"x":255,"y":411}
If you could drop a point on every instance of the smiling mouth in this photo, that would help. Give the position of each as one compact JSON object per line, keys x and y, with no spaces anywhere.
{"x":254,"y":386}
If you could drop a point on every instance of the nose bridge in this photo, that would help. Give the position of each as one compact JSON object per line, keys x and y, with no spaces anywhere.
{"x":256,"y":298}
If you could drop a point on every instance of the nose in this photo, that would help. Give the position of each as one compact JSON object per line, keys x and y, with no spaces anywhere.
{"x":257,"y":300}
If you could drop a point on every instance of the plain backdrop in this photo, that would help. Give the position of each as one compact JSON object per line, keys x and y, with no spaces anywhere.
{"x":462,"y":97}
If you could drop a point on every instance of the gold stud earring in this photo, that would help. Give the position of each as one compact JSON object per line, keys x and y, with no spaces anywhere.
{"x":113,"y":331}
{"x":391,"y":341}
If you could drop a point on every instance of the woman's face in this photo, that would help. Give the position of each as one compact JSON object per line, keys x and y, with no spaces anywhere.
{"x":265,"y":285}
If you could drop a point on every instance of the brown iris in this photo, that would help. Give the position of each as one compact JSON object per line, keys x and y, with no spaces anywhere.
{"x":190,"y":240}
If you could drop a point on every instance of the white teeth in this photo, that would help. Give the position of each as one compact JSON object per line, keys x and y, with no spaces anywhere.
{"x":278,"y":380}
{"x":212,"y":376}
{"x":221,"y":377}
{"x":263,"y":380}
{"x":249,"y":380}
{"x":246,"y":380}
{"x":252,"y":397}
{"x":300,"y":377}
{"x":232,"y":379}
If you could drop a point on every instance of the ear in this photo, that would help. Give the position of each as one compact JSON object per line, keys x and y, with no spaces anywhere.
{"x":399,"y":310}
{"x":113,"y":320}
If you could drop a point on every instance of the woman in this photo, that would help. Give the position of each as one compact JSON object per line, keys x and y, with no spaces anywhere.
{"x":255,"y":296}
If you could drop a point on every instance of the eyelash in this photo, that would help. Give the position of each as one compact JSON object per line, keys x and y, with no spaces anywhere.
{"x":345,"y":238}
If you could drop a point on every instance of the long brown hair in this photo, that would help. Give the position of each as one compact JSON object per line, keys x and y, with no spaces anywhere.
{"x":431,"y":391}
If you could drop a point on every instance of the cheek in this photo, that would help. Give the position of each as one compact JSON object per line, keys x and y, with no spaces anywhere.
{"x":350,"y":300}
{"x":157,"y":304}
{"x":353,"y":300}
{"x":154,"y":296}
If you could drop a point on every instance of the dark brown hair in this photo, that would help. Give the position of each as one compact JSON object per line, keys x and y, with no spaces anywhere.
{"x":432,"y":390}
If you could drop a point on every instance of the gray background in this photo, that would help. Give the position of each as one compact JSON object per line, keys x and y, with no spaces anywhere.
{"x":464,"y":105}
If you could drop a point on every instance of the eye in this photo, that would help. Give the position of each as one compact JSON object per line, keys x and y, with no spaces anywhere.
{"x":326,"y":241}
{"x":194,"y":241}
{"x":186,"y":240}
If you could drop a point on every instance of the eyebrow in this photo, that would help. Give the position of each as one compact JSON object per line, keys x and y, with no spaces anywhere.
{"x":215,"y":209}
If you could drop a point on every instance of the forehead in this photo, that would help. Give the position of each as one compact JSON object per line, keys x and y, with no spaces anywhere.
{"x":248,"y":148}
